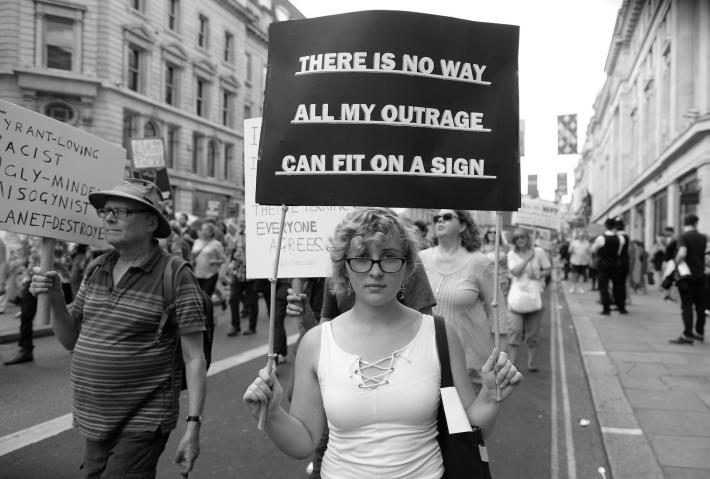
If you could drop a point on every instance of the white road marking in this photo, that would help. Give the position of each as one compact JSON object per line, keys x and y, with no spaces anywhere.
{"x":622,"y":430}
{"x":47,"y":429}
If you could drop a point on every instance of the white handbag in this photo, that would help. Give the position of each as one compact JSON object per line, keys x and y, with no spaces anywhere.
{"x":525,"y":296}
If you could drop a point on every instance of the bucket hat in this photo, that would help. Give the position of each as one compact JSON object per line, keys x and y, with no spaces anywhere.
{"x":140,"y":191}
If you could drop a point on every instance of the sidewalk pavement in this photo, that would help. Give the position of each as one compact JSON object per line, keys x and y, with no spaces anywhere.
{"x":652,"y":398}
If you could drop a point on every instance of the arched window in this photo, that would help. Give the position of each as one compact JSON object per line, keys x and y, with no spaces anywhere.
{"x":211,"y":159}
{"x":150,"y":130}
{"x":60,"y":110}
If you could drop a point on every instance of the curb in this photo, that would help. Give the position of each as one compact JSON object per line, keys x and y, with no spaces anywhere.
{"x":37,"y":332}
{"x":628,"y":450}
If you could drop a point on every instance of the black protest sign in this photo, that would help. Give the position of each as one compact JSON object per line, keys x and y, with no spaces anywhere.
{"x":388,"y":108}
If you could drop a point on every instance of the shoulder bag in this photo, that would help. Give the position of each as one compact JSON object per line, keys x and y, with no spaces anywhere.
{"x":464,"y":453}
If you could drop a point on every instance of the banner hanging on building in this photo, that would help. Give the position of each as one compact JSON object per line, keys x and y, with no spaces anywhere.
{"x":47,"y":170}
{"x":424,"y":118}
{"x":566,"y":134}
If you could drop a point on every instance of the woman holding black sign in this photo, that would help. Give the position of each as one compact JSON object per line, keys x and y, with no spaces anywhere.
{"x":373,"y":372}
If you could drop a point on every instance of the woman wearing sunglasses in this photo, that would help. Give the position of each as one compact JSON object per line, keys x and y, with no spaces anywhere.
{"x":373,"y":372}
{"x":462,"y":279}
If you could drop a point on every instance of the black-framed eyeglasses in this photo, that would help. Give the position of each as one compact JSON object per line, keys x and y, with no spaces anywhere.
{"x":117,"y":212}
{"x":364,"y":265}
{"x":445,"y":217}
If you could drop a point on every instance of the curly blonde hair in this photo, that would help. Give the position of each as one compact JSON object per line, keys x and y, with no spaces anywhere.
{"x":362,"y":226}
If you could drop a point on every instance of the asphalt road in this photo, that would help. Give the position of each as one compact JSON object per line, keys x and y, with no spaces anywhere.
{"x":538,"y":434}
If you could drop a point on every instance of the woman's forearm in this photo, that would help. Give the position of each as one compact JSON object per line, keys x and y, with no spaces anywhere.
{"x":290,"y":435}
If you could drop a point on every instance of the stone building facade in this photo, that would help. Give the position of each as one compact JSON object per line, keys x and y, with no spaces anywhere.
{"x":647,"y":154}
{"x":185,"y":71}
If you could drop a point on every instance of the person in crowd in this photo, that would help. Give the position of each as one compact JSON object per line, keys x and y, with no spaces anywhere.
{"x":580,"y":251}
{"x":594,"y":270}
{"x":488,"y":247}
{"x":29,"y":258}
{"x":242,"y":291}
{"x":462,"y":279}
{"x":207,"y":257}
{"x":372,"y":373}
{"x":670,"y":254}
{"x":189,"y":234}
{"x":608,"y":248}
{"x":657,"y":259}
{"x":423,"y":234}
{"x":691,"y":250}
{"x":126,"y":384}
{"x":79,"y":261}
{"x":175,"y":243}
{"x":624,"y":257}
{"x":416,"y":294}
{"x":526,"y":263}
{"x":638,"y":267}
{"x":565,"y":257}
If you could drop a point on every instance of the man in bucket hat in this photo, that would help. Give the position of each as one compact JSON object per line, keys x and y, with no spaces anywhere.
{"x":125,"y":391}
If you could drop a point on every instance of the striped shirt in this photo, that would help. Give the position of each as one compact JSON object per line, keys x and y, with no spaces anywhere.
{"x":122,"y":379}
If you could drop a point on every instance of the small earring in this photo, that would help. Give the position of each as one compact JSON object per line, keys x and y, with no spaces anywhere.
{"x":400,"y":293}
{"x":348,"y":288}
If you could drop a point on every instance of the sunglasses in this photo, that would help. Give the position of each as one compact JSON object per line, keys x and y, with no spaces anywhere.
{"x":445,"y":217}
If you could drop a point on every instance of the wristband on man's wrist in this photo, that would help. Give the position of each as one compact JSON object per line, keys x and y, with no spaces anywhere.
{"x":197,"y":419}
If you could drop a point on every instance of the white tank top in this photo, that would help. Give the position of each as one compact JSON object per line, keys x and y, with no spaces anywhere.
{"x":382,"y":419}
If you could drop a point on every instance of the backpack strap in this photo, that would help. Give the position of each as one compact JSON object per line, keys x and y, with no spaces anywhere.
{"x":173,"y":267}
{"x":93,"y":267}
{"x":442,"y":349}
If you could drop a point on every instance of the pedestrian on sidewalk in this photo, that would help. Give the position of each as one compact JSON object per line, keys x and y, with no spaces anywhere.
{"x":608,"y":247}
{"x":670,"y":254}
{"x":691,"y":250}
{"x":373,"y":372}
{"x":580,"y":254}
{"x":125,"y":378}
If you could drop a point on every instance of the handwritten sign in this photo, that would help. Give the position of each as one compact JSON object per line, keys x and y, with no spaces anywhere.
{"x":305,"y":231}
{"x":148,"y":153}
{"x":537,"y":212}
{"x":425,"y":117}
{"x":47,"y":170}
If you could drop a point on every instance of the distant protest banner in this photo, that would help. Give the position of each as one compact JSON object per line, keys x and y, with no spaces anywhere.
{"x":387,"y":108}
{"x":305,"y":231}
{"x":538,"y":213}
{"x":148,"y":153}
{"x":47,"y":170}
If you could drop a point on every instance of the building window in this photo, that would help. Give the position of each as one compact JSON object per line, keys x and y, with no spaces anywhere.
{"x":138,"y":5}
{"x":150,"y":130}
{"x":660,"y":212}
{"x":247,"y":61}
{"x":227,"y":108}
{"x":228,"y":47}
{"x":60,"y":110}
{"x":171,"y":84}
{"x":171,"y":146}
{"x":203,"y":32}
{"x":130,"y":129}
{"x":228,"y":160}
{"x":197,"y":142}
{"x":211,"y":159}
{"x":59,"y":43}
{"x":247,"y":111}
{"x":201,"y":97}
{"x":173,"y":14}
{"x":135,"y":68}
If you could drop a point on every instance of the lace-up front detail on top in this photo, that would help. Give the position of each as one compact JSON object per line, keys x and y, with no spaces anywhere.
{"x":374,"y":375}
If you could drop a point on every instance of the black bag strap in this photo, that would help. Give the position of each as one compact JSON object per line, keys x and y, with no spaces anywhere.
{"x":442,"y":348}
{"x":173,"y":266}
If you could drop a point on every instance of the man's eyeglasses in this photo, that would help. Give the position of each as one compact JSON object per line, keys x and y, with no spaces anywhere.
{"x":117,"y":212}
{"x":445,"y":217}
{"x":364,"y":265}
